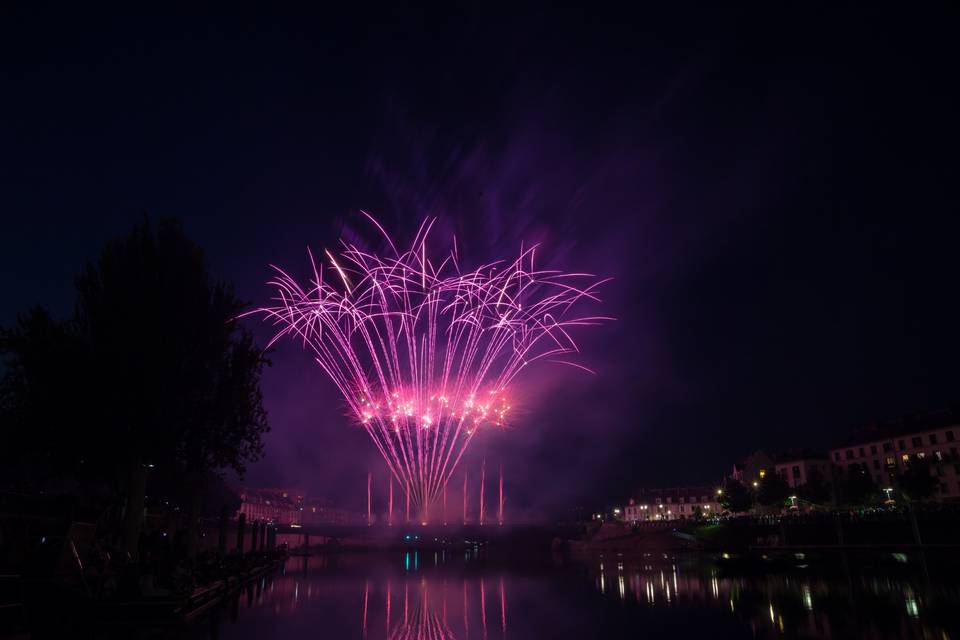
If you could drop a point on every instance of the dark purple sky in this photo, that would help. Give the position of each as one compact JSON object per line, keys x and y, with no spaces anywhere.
{"x":775,"y":196}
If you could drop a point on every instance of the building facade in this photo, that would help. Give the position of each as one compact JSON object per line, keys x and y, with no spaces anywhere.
{"x":671,"y":504}
{"x":753,"y":468}
{"x":888,"y":450}
{"x":796,"y":467}
{"x":323,"y":512}
{"x":277,"y":506}
{"x":293,"y":507}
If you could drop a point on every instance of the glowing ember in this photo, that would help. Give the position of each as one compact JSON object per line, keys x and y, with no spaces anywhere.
{"x":423,"y":353}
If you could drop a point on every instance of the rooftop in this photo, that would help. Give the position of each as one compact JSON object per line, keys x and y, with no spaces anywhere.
{"x":676,"y":492}
{"x":794,"y":455}
{"x":910,"y":424}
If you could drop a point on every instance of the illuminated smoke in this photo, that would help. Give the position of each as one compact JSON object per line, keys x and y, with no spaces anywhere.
{"x":422,"y":351}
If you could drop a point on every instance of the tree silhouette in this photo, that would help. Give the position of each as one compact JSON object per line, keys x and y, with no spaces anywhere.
{"x":735,"y":497}
{"x":43,"y":391}
{"x":917,"y":482}
{"x":859,"y":487}
{"x":816,"y":489}
{"x":773,"y":490}
{"x":153,"y":372}
{"x":182,"y":375}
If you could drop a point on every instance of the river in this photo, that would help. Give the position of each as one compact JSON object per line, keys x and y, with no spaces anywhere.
{"x":421,"y":595}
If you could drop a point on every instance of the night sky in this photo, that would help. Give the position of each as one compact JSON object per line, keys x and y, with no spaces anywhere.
{"x":775,"y":197}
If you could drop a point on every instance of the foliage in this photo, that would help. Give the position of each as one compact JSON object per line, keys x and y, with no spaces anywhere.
{"x":773,"y":490}
{"x":154,"y":371}
{"x":181,"y":375}
{"x":167,"y":488}
{"x":916,"y":482}
{"x":816,"y":489}
{"x":858,"y":486}
{"x":44,"y":395}
{"x":735,"y":497}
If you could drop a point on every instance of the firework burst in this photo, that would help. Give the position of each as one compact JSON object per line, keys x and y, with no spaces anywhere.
{"x":423,"y":352}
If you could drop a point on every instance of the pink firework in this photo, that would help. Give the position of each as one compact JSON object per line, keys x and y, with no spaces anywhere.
{"x":422,"y":351}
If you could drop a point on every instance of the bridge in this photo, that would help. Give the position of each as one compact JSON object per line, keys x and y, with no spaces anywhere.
{"x":417,"y":534}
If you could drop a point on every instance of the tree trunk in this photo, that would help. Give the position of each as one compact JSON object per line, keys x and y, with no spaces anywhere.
{"x":222,"y":537}
{"x":133,"y":509}
{"x":241,"y":523}
{"x":195,"y":482}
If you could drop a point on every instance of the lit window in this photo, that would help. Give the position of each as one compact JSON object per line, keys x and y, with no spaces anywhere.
{"x":906,"y":457}
{"x":921,"y":455}
{"x":763,"y":473}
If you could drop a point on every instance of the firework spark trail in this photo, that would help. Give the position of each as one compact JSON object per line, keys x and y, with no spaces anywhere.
{"x":421,"y":352}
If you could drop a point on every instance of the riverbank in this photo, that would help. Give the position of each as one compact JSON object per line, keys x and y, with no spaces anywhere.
{"x":128,"y":595}
{"x":878,"y":529}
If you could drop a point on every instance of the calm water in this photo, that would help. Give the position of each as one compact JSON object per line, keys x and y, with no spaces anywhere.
{"x":428,"y":595}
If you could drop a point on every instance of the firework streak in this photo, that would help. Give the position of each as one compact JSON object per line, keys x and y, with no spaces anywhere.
{"x":423,"y":352}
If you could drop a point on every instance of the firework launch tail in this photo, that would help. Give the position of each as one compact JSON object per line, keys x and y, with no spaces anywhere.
{"x":483,"y":481}
{"x":500,"y":509}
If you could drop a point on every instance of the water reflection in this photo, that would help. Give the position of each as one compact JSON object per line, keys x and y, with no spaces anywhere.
{"x":793,"y":597}
{"x":396,"y":598}
{"x":444,"y":595}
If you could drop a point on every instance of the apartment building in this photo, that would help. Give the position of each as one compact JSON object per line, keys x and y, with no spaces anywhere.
{"x":887,"y":450}
{"x":797,"y":466}
{"x":671,"y":504}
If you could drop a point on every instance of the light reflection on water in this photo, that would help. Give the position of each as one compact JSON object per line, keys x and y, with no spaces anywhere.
{"x":790,"y":598}
{"x":441,"y":595}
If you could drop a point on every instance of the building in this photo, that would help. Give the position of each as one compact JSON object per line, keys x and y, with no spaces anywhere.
{"x":292,"y":507}
{"x":797,"y":466}
{"x":753,"y":468}
{"x":671,"y":504}
{"x":321,"y":511}
{"x":277,"y":506}
{"x":887,"y":450}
